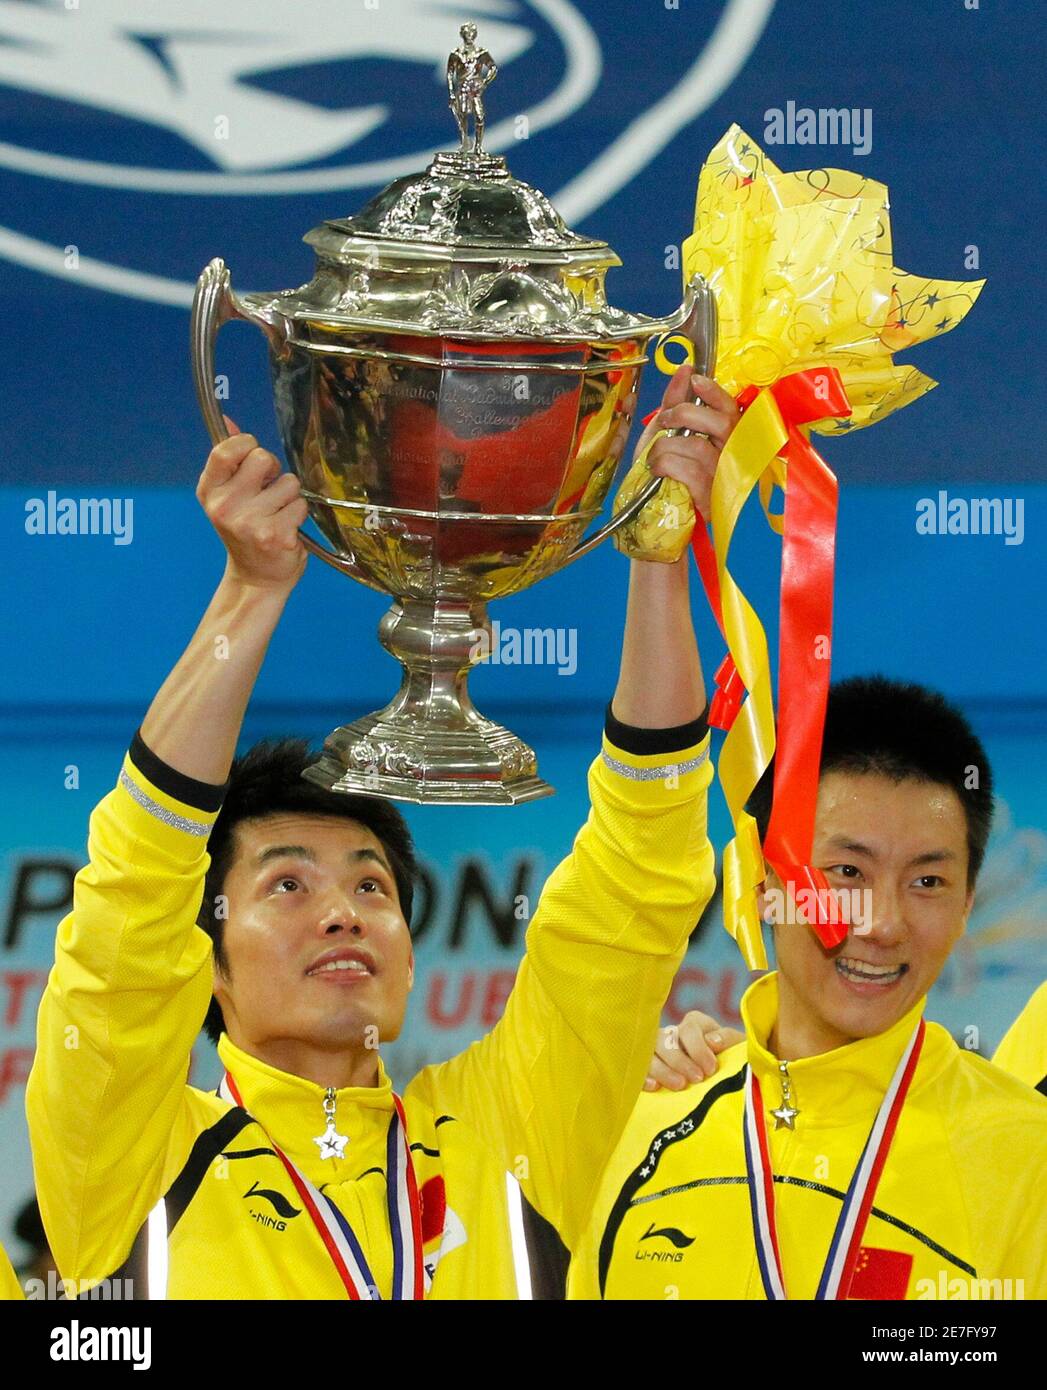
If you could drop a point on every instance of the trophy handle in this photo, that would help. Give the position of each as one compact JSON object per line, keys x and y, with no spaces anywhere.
{"x":214,"y":304}
{"x":608,"y":529}
{"x":695,"y":323}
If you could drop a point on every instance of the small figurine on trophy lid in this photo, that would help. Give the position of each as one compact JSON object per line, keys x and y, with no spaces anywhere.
{"x":470,"y":71}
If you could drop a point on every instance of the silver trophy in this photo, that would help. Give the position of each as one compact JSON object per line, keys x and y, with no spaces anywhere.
{"x":452,"y":389}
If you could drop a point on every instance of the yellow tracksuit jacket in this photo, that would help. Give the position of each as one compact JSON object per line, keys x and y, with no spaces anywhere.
{"x":961,"y":1207}
{"x":1023,"y":1051}
{"x":115,"y":1127}
{"x":9,"y":1285}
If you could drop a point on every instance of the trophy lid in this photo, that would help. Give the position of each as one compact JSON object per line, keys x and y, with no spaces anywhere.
{"x":468,"y":202}
{"x":462,"y":247}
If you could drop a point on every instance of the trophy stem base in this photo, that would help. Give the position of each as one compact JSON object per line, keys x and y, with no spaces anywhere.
{"x":430,"y":745}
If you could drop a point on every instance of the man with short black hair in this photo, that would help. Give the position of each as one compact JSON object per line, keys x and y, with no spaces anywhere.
{"x":264,"y":783}
{"x":846,"y":1148}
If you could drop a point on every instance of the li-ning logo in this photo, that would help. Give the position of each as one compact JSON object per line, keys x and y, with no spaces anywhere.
{"x":671,"y":1234}
{"x":676,"y":1239}
{"x":205,"y":77}
{"x":285,"y":1211}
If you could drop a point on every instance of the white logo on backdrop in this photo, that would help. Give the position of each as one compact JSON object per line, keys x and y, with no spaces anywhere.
{"x":182,"y":68}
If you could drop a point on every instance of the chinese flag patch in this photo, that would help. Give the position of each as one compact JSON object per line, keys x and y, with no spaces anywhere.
{"x":434,"y":1208}
{"x":882,"y":1274}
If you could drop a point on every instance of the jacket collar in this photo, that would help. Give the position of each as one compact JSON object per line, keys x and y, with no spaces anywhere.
{"x":835,"y":1087}
{"x":290,"y":1109}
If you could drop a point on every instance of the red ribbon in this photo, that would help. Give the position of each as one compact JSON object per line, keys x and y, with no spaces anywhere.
{"x":805,"y":636}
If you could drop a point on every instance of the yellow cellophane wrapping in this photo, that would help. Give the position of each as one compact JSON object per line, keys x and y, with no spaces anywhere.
{"x":802,"y":269}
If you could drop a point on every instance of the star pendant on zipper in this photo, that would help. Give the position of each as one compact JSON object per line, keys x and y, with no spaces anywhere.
{"x":786,"y":1113}
{"x":332,"y":1144}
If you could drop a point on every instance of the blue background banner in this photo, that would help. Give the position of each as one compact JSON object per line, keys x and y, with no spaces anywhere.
{"x":116,"y":188}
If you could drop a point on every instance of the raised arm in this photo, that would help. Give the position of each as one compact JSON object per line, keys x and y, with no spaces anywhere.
{"x":195,"y":720}
{"x":551,"y":1087}
{"x":660,"y":682}
{"x":132,"y":976}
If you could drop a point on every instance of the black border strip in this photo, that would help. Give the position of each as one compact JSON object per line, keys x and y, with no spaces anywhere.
{"x":202,"y":796}
{"x":828,"y":1192}
{"x":208,"y":1146}
{"x":728,"y":1086}
{"x":647,"y":742}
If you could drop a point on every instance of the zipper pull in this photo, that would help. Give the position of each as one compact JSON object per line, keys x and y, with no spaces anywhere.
{"x":331,"y":1143}
{"x":785,"y":1115}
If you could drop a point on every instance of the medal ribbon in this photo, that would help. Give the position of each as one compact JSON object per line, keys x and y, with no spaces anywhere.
{"x":339,"y":1239}
{"x":842,"y":1258}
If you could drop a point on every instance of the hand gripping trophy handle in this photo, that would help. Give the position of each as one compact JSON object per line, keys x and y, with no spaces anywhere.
{"x":214,"y":304}
{"x":698,"y":330}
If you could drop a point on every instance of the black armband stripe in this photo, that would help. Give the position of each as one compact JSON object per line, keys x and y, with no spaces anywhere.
{"x":647,"y":742}
{"x":202,"y":796}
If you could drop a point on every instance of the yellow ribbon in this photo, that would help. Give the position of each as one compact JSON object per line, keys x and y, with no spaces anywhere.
{"x":749,"y":457}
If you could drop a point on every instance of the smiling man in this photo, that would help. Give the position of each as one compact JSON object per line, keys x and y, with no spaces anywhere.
{"x":281,"y":912}
{"x":846,"y":1148}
